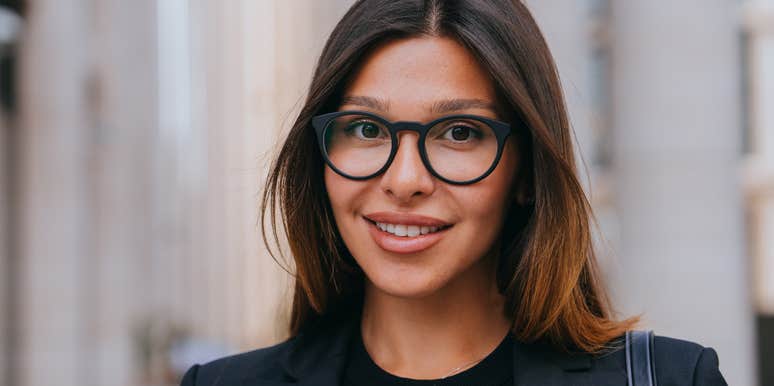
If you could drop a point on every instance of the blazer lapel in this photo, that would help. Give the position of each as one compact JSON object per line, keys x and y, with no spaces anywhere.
{"x":540,"y":365}
{"x":316,"y":358}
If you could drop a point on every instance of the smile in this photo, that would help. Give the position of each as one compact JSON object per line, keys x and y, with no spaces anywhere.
{"x":405,"y":238}
{"x":404,"y":230}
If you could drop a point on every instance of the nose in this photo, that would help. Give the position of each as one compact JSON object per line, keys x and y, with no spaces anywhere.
{"x":407,"y":177}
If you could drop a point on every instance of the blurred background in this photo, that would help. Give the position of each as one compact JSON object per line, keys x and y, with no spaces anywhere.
{"x":135,"y":137}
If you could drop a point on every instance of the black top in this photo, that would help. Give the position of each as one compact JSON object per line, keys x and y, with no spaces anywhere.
{"x":496,"y":369}
{"x":318,"y":357}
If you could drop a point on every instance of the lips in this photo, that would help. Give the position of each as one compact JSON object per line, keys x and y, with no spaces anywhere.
{"x":402,"y":244}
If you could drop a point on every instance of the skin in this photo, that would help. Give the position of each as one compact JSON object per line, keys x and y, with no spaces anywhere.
{"x":429,"y":312}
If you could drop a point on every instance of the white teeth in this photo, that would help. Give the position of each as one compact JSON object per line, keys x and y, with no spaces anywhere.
{"x":406,"y":230}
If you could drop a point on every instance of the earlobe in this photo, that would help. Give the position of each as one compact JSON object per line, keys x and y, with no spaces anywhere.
{"x":523,"y":198}
{"x":522,"y":189}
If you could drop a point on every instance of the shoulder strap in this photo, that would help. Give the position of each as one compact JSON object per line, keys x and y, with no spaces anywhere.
{"x":640,"y":365}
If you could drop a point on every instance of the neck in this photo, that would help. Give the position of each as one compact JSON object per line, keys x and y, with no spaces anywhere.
{"x":428,"y":337}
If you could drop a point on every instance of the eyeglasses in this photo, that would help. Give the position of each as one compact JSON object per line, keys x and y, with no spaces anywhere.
{"x":458,"y":149}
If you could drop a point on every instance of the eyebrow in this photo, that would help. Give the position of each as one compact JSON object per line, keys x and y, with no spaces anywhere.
{"x":449,"y":105}
{"x":438,"y":107}
{"x":366,"y":101}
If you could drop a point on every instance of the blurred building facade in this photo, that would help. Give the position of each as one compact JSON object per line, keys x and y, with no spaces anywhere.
{"x":757,"y":19}
{"x":133,"y":159}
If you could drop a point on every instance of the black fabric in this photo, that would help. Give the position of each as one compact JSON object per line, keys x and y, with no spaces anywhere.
{"x":494,"y":370}
{"x":318,"y":358}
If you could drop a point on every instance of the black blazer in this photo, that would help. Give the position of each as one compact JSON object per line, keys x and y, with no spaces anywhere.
{"x":316,"y":358}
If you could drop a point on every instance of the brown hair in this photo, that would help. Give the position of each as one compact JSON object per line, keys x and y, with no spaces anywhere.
{"x":547,"y":267}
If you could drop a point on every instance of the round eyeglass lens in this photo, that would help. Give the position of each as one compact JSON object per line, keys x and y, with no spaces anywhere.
{"x":357,"y":145}
{"x":461,"y":149}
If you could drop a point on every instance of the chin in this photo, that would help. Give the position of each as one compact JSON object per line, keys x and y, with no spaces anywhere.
{"x":412,"y":282}
{"x":407,"y":291}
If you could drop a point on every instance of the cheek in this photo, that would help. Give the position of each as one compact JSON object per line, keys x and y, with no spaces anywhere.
{"x":332,"y":187}
{"x":345,"y":196}
{"x":490,"y":197}
{"x":341,"y":193}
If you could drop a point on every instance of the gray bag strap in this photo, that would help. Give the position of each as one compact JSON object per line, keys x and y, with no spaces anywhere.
{"x":640,"y":365}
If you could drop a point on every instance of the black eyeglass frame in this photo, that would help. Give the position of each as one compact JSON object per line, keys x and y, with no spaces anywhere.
{"x":501,"y":130}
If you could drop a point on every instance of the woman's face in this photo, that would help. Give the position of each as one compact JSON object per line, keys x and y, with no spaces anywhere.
{"x":402,"y":81}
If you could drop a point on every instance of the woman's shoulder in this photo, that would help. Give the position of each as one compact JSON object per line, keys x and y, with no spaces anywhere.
{"x":263,"y":362}
{"x":677,"y":362}
{"x":316,"y":350}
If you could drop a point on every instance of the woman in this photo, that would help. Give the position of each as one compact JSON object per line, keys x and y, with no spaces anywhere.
{"x":440,"y":234}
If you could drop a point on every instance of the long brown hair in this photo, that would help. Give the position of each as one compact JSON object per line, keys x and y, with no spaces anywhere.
{"x":547,"y":267}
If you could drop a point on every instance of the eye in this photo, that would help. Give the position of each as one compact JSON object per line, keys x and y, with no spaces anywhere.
{"x":364,"y":129}
{"x":461,"y":132}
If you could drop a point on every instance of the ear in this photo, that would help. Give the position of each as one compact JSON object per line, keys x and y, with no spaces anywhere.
{"x":523,"y":196}
{"x":523,"y":188}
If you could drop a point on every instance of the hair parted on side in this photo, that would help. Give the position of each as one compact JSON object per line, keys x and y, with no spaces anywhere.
{"x":547,"y":268}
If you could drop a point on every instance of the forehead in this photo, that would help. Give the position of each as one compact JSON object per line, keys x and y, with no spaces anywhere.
{"x":415,"y":73}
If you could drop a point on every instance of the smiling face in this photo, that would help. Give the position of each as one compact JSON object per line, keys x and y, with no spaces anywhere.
{"x":382,"y":220}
